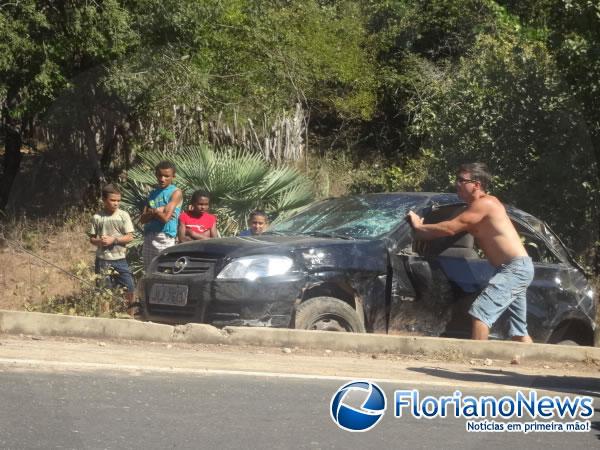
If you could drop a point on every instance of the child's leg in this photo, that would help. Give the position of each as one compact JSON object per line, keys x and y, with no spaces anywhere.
{"x":149,"y":251}
{"x":125,"y":278}
{"x":102,"y":267}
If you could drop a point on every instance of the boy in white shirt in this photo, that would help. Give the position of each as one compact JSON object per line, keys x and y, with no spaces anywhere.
{"x":110,"y":231}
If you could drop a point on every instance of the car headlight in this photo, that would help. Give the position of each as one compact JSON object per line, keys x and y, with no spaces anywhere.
{"x":253,"y":267}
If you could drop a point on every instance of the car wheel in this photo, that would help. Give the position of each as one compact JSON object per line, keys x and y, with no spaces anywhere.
{"x":567,"y":342}
{"x":327,"y":314}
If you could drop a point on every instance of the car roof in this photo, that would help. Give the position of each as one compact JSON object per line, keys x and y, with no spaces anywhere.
{"x":439,"y":198}
{"x":447,"y":199}
{"x":442,"y":199}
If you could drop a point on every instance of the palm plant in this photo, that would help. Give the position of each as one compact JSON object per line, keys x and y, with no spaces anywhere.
{"x":238,"y":182}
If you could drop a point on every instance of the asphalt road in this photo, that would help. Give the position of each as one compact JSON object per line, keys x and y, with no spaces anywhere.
{"x":86,"y":394}
{"x":93,"y":410}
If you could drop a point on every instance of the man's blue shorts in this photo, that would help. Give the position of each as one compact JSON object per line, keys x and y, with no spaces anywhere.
{"x":507,"y":290}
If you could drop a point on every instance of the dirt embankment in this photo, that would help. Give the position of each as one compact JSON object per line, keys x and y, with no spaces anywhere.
{"x":25,"y":278}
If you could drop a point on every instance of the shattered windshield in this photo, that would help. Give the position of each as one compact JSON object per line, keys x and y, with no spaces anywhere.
{"x":361,"y":217}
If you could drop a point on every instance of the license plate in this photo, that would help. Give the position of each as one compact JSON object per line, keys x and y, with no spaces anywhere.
{"x":169,"y":294}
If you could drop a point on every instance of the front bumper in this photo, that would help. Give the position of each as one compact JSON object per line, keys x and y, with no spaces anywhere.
{"x":264,"y":302}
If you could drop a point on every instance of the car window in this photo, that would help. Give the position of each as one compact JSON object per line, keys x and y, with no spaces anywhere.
{"x":545,"y":232}
{"x":536,"y":248}
{"x":362,"y":217}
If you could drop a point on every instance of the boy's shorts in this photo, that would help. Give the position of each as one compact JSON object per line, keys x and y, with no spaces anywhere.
{"x":154,"y":243}
{"x":123,"y":276}
{"x":506,"y":290}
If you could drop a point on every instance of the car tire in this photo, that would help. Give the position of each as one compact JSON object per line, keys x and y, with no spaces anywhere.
{"x":327,"y":314}
{"x":567,"y":342}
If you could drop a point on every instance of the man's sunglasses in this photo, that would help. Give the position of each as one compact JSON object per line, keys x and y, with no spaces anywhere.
{"x":462,"y":180}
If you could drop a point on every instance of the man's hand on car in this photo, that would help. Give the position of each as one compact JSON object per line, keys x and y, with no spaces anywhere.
{"x":414,"y":219}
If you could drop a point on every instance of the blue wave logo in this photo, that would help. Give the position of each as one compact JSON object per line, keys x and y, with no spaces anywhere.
{"x":358,"y":406}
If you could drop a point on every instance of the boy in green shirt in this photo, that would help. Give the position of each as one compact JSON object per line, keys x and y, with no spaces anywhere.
{"x":110,"y":231}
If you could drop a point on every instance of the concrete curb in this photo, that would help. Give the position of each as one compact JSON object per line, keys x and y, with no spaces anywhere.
{"x":410,"y":345}
{"x":18,"y":322}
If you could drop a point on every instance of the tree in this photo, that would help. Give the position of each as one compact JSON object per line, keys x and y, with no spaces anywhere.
{"x":406,"y":38}
{"x":90,"y":75}
{"x":45,"y":43}
{"x":508,"y":106}
{"x":251,"y":58}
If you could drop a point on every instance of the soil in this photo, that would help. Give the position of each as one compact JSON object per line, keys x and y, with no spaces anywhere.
{"x":29,"y":271}
{"x":74,"y":354}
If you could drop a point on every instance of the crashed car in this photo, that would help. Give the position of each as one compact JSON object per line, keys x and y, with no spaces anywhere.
{"x":353,"y":264}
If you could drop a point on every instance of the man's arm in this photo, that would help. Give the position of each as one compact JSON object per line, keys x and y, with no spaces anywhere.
{"x":213,"y":231}
{"x":197,"y":236}
{"x":96,"y":241}
{"x":147,"y":215}
{"x":164,"y":214}
{"x":181,"y":232}
{"x":474,"y":214}
{"x":93,"y":233}
{"x":123,"y":240}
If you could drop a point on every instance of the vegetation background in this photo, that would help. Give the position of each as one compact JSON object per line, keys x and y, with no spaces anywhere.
{"x":355,"y":95}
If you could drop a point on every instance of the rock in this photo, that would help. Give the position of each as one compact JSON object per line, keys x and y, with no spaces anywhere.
{"x":102,"y":344}
{"x":488,"y":362}
{"x":546,"y":367}
{"x":286,"y":350}
{"x":37,"y":338}
{"x":374,"y":356}
{"x":328,"y":352}
{"x":472,"y":362}
{"x":516,"y":360}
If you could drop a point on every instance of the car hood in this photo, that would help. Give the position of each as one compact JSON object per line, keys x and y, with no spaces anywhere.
{"x":315,"y":252}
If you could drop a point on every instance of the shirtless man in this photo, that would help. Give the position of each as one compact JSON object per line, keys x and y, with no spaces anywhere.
{"x":486,"y":219}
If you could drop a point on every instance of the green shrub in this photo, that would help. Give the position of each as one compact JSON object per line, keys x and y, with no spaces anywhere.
{"x":91,"y":300}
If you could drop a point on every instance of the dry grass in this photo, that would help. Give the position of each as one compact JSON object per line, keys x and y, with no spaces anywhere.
{"x":26,"y":279}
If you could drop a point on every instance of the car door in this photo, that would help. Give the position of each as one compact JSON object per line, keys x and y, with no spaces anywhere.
{"x":429,"y":277}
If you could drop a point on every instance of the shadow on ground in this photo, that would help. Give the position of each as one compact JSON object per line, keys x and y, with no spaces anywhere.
{"x":566,"y":384}
{"x":557,"y":383}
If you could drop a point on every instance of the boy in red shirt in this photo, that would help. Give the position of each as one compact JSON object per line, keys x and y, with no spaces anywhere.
{"x":196,"y":223}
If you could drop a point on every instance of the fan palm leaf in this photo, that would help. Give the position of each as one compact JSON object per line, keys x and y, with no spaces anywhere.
{"x":238,"y":182}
